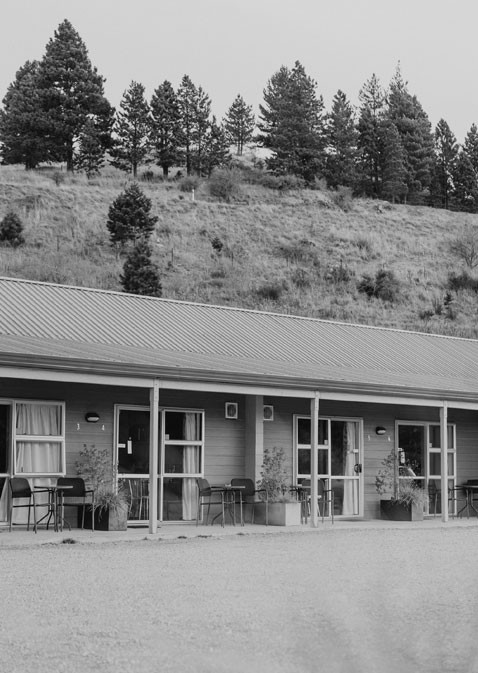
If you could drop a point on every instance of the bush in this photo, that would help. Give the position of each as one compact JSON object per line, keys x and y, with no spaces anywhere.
{"x":282,"y":183}
{"x":462,"y":281}
{"x":338,"y":274}
{"x":271,"y":291}
{"x":129,"y":216}
{"x":342,"y":198}
{"x":11,"y":229}
{"x":384,"y":286}
{"x":189,"y":183}
{"x":225,"y":183}
{"x":465,"y":246}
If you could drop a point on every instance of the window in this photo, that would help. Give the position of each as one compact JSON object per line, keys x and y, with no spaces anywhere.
{"x":39,"y":438}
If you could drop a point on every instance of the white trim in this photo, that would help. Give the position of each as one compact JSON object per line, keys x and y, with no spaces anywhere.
{"x":35,"y":374}
{"x":40,"y":439}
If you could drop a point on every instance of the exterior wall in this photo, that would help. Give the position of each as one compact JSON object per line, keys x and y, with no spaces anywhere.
{"x":228,"y":442}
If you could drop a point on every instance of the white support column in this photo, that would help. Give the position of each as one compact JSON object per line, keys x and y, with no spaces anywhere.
{"x":254,"y":436}
{"x":444,"y":460}
{"x":153,"y":456}
{"x":314,"y":440}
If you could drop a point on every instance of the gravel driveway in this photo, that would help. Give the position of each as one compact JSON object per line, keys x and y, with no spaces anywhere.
{"x":380,"y":601}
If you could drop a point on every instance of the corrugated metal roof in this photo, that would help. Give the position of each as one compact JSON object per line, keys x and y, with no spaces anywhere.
{"x":81,"y":324}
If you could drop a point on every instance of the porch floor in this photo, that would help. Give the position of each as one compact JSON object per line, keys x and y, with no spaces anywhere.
{"x":20,"y":537}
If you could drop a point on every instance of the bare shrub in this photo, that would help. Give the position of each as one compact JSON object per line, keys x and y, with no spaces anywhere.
{"x":465,"y":246}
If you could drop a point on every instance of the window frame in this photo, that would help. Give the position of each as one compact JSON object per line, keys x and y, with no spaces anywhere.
{"x":39,"y":439}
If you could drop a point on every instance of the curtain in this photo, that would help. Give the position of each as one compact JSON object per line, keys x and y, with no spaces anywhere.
{"x":192,"y":427}
{"x":350,"y":503}
{"x":38,"y":420}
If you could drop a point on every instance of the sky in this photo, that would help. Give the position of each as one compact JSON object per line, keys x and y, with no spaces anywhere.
{"x":232,"y":47}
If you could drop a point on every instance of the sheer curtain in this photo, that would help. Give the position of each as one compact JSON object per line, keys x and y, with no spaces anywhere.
{"x":350,"y":503}
{"x":192,"y":428}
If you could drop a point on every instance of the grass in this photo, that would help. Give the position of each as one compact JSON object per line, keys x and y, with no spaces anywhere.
{"x":293,"y":252}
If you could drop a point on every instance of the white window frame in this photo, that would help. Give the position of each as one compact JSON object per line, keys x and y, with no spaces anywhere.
{"x":429,"y":449}
{"x":55,"y":439}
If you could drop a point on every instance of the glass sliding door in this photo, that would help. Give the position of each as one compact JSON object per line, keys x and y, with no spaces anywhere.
{"x":419,"y":456}
{"x":180,"y":461}
{"x":339,"y":460}
{"x":5,"y":445}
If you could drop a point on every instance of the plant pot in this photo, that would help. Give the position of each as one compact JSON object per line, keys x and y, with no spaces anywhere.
{"x":280,"y":513}
{"x":106,"y":519}
{"x":391,"y":510}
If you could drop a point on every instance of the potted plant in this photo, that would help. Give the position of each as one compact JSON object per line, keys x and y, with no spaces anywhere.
{"x":111,"y":502}
{"x":282,"y":509}
{"x":406,"y":500}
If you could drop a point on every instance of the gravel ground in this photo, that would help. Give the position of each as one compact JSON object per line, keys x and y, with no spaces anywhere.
{"x":380,"y":601}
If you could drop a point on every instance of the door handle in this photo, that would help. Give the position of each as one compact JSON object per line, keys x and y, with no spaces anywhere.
{"x":358,"y":468}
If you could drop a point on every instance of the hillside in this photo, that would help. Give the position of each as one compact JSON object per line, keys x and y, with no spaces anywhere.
{"x":296,"y":252}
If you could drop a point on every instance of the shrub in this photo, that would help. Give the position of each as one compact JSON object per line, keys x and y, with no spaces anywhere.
{"x":11,"y":229}
{"x":225,"y":183}
{"x":342,"y":198}
{"x":301,"y":250}
{"x":384,"y":286}
{"x":282,"y":183}
{"x":462,"y":281}
{"x":274,"y":478}
{"x":465,"y":246}
{"x":188,"y":183}
{"x":129,"y":216}
{"x":271,"y":291}
{"x":339,"y":273}
{"x":217,"y":244}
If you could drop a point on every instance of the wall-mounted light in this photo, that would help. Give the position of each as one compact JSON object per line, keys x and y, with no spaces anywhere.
{"x":380,"y":430}
{"x":231,"y":410}
{"x":92,"y":417}
{"x":268,"y":412}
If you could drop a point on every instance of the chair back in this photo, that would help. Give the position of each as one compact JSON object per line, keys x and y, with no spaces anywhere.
{"x":320,"y":488}
{"x":203,"y":486}
{"x":472,"y":482}
{"x":432,"y":488}
{"x":78,"y":486}
{"x":248,"y":487}
{"x":20,"y":487}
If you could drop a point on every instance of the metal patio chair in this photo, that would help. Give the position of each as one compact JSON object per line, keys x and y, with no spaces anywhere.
{"x":20,"y":489}
{"x":247,"y":496}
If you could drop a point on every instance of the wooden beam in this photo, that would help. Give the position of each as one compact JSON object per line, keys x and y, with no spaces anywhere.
{"x":314,"y":442}
{"x":153,"y":456}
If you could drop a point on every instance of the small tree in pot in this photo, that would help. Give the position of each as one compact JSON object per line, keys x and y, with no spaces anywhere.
{"x":275,"y":481}
{"x":406,"y":501}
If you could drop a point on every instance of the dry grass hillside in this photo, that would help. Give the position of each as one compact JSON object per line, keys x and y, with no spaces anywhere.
{"x":293,"y":252}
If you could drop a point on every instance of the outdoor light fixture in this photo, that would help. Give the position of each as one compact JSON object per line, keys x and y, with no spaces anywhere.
{"x":268,"y":412}
{"x":92,"y":417}
{"x":231,"y":410}
{"x":380,"y":430}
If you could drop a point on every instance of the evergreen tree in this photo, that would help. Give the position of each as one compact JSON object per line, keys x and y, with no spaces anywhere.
{"x":465,"y":184}
{"x":132,"y":130}
{"x":187,"y":94}
{"x":71,"y":92}
{"x":165,"y":127}
{"x":129,"y":216}
{"x":140,"y":275}
{"x":216,"y":148}
{"x":11,"y":230}
{"x":370,"y":136}
{"x":470,"y":147}
{"x":92,"y":144}
{"x":200,"y":129}
{"x":446,"y":152}
{"x":414,"y":129}
{"x":239,"y":124}
{"x":292,"y":124}
{"x":22,"y":134}
{"x":342,"y":143}
{"x":394,"y":185}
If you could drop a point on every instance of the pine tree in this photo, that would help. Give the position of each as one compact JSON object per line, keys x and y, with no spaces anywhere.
{"x":90,"y":156}
{"x":165,"y":127}
{"x":370,"y":136}
{"x":140,"y":275}
{"x":21,"y":128}
{"x":414,"y":129}
{"x":394,"y":185}
{"x":292,"y":124}
{"x":71,"y":92}
{"x":216,"y":148}
{"x":131,"y":130}
{"x":446,"y":152}
{"x":470,"y":146}
{"x":342,"y":143}
{"x":187,"y":94}
{"x":465,"y":184}
{"x":200,"y":129}
{"x":239,"y":124}
{"x":129,"y":216}
{"x":11,"y":230}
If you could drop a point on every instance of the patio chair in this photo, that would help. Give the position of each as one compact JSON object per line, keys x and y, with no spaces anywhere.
{"x":76,"y":496}
{"x":247,"y":496}
{"x":138,"y":499}
{"x":207,"y":496}
{"x":20,"y":490}
{"x":325,"y":498}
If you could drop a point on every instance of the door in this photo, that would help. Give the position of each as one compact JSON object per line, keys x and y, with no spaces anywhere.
{"x":5,"y":444}
{"x":180,"y":461}
{"x":339,"y":460}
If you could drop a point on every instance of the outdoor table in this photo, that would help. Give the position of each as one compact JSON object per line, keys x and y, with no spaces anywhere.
{"x":52,"y":512}
{"x":228,"y":495}
{"x":470,"y":490}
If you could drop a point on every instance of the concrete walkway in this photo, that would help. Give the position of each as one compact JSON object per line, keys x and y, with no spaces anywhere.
{"x":20,"y":537}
